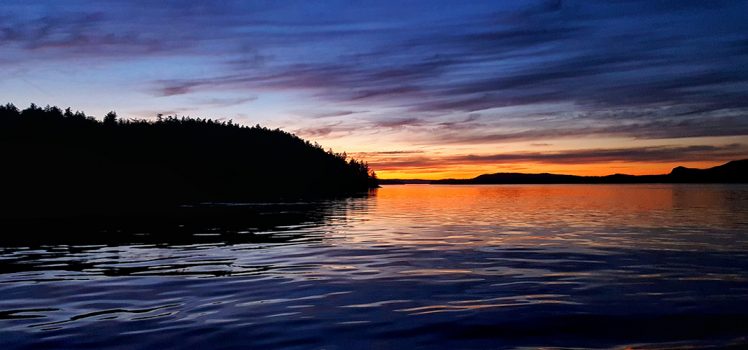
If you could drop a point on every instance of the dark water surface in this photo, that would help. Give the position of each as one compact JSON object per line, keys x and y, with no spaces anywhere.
{"x":413,"y":266}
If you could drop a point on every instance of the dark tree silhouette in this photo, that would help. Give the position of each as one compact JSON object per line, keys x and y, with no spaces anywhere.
{"x":110,"y":118}
{"x":65,"y":160}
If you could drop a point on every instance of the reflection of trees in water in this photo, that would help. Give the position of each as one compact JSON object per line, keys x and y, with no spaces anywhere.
{"x":207,"y":223}
{"x":31,"y":245}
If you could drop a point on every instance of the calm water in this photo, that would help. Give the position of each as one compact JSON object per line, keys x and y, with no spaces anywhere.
{"x":414,"y":266}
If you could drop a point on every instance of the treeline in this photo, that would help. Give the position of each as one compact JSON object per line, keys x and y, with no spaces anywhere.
{"x":55,"y":157}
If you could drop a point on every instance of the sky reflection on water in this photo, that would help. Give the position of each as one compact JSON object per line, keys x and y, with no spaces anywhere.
{"x":419,"y":266}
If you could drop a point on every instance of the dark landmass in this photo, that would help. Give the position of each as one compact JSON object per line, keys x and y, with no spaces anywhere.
{"x":732,"y":172}
{"x":62,"y":163}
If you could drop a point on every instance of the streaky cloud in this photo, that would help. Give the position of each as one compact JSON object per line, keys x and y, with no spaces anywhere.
{"x":652,"y":154}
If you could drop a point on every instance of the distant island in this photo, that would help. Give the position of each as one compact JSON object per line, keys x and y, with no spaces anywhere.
{"x":731,"y":172}
{"x":60,"y":161}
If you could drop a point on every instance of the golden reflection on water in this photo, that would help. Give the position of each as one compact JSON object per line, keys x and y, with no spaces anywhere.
{"x":433,"y":263}
{"x":568,"y":216}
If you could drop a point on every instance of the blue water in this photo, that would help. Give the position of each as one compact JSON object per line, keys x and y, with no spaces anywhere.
{"x":414,"y":266}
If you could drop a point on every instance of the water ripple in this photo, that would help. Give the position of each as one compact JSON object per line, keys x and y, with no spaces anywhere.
{"x":408,"y":266}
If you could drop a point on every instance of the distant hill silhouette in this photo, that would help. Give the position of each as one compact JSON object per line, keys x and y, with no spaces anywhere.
{"x":732,"y":172}
{"x":60,"y":161}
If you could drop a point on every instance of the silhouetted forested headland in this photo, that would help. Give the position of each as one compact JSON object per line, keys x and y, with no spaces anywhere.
{"x":60,"y":161}
{"x":732,"y":172}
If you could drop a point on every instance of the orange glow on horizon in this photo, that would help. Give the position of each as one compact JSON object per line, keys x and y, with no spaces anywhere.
{"x":399,"y":158}
{"x":465,"y":171}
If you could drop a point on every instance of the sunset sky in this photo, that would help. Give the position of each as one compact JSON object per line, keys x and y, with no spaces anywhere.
{"x":419,"y":89}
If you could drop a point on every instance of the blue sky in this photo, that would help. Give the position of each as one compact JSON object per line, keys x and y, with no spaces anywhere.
{"x":416,"y":87}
